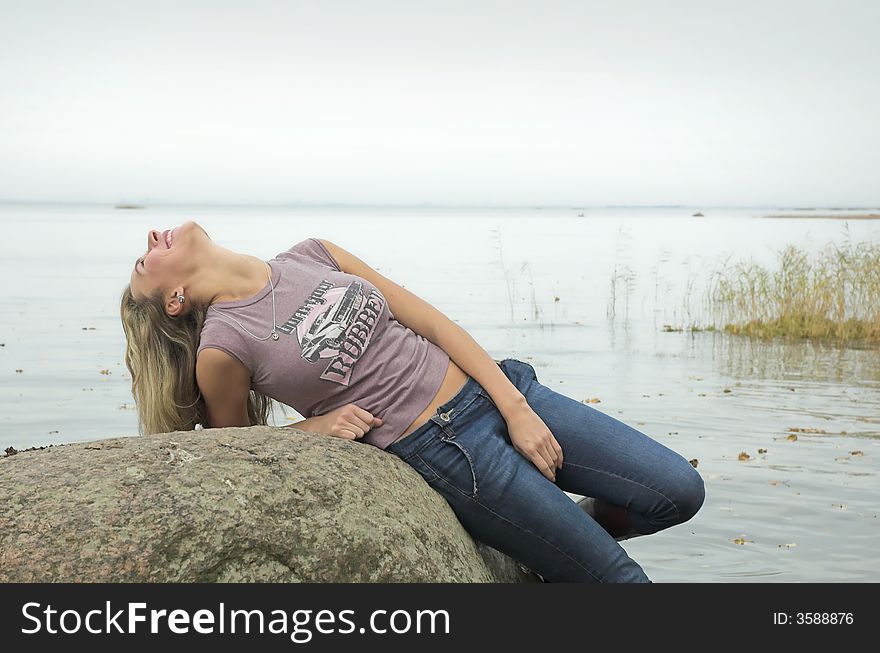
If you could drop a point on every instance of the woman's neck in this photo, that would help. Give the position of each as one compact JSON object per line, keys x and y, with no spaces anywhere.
{"x":232,"y":276}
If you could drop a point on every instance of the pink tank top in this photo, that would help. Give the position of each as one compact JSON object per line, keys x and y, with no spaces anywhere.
{"x":338,"y":343}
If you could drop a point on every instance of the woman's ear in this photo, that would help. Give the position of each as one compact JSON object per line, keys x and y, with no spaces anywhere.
{"x":175,"y":303}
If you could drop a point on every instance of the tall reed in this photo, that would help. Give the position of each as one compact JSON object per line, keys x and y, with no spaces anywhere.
{"x":833,"y":294}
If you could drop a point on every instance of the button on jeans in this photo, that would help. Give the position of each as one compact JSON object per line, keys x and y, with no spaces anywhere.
{"x":464,"y":452}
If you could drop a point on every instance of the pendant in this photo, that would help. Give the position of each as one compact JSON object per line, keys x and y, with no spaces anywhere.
{"x":274,"y":336}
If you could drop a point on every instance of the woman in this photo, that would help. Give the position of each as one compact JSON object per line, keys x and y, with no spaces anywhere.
{"x":213,"y":334}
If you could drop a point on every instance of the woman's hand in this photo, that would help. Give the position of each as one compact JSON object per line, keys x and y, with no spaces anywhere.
{"x":348,"y":422}
{"x":531,"y":437}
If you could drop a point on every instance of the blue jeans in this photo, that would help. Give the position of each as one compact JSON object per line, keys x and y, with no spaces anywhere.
{"x":464,"y":452}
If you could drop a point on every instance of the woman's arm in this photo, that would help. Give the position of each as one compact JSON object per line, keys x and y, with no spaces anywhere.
{"x":224,"y":383}
{"x":311,"y":424}
{"x":348,"y":421}
{"x":427,"y":321}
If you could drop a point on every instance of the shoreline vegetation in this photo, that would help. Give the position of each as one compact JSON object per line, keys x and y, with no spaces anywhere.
{"x":828,"y":216}
{"x":833,"y":294}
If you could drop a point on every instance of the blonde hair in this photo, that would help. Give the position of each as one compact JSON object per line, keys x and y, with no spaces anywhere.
{"x":160,"y":354}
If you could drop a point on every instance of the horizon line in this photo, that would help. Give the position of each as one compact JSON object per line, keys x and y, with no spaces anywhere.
{"x":124,"y":204}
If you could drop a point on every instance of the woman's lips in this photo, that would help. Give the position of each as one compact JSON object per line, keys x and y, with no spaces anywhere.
{"x":166,"y":236}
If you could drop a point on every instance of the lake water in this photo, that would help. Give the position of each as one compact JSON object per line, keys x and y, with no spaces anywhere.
{"x":583,"y":299}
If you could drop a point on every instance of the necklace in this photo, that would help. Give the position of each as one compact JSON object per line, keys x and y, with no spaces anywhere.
{"x":274,"y":334}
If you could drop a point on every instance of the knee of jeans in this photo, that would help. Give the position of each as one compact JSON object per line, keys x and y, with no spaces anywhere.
{"x":691,"y":495}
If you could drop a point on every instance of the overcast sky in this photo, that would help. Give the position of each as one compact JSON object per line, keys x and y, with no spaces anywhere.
{"x":506,"y":102}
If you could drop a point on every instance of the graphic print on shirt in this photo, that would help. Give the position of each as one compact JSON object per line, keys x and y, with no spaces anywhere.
{"x":335,"y":324}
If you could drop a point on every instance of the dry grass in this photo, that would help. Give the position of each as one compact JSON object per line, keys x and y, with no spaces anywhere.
{"x":622,"y":276}
{"x":834,"y":294}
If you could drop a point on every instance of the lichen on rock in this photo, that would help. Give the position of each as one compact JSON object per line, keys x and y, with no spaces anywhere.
{"x":253,"y":504}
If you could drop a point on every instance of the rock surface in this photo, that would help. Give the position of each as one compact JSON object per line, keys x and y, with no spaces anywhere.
{"x":255,"y":504}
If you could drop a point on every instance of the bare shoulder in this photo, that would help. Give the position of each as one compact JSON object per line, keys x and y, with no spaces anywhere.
{"x":225,"y":385}
{"x":346,"y":261}
{"x":215,"y":367}
{"x":330,"y":245}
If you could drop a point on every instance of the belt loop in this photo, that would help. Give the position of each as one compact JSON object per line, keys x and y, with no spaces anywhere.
{"x":444,"y":426}
{"x":447,"y":429}
{"x":444,"y":423}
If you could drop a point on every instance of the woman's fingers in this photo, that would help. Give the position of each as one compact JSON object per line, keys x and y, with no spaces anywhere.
{"x":355,"y":421}
{"x":366,"y":417}
{"x":551,"y":454}
{"x":545,"y":467}
{"x":542,"y":460}
{"x":351,"y":422}
{"x":558,"y":450}
{"x":553,"y":450}
{"x":354,"y":432}
{"x":549,"y":458}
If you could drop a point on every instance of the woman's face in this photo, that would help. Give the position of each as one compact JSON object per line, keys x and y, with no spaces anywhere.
{"x":169,"y":260}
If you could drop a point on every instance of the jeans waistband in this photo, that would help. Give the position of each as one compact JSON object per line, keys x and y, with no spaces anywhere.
{"x":416,"y":440}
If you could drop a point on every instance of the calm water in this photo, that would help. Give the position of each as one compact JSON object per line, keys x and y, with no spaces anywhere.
{"x":583,"y":299}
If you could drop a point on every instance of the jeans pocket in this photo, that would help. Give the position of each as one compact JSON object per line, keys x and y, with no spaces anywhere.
{"x":451,"y":465}
{"x":425,"y":470}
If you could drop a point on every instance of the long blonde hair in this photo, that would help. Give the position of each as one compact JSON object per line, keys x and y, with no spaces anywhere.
{"x":160,"y":354}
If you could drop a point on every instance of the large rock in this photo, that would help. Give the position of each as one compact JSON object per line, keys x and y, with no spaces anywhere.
{"x":257,"y":504}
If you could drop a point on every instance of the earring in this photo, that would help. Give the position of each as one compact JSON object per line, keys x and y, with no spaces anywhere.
{"x":180,"y":298}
